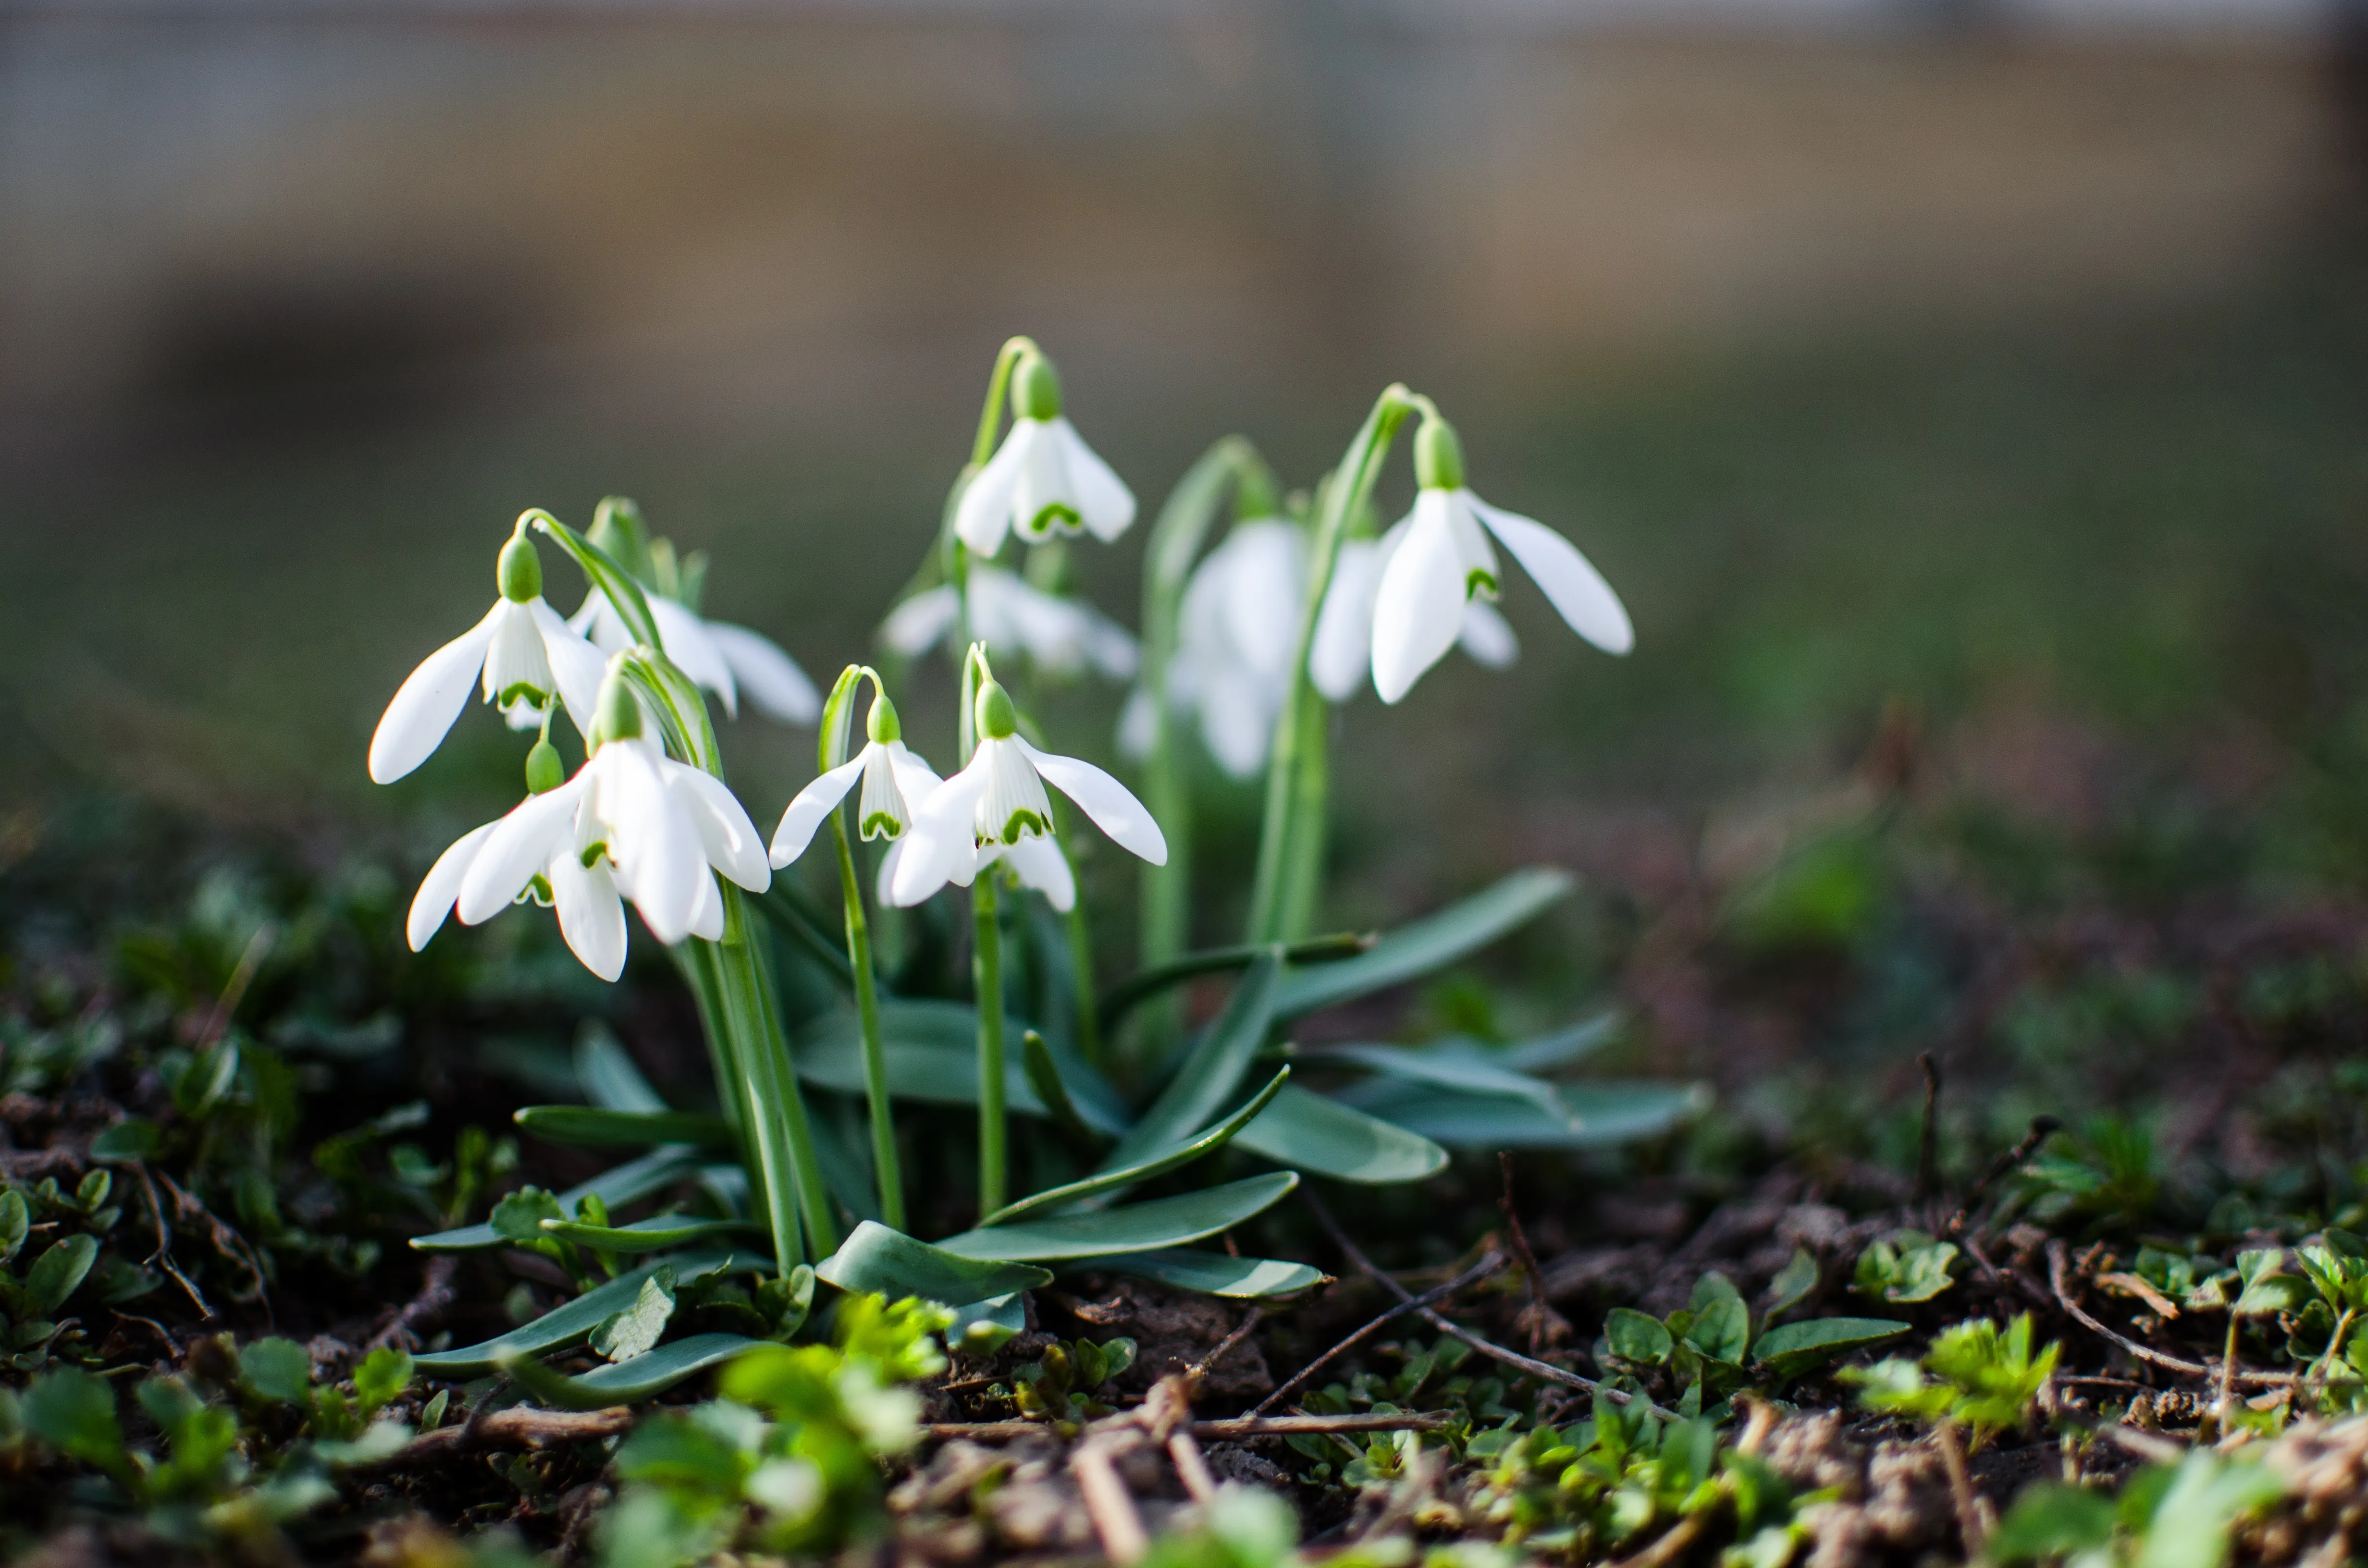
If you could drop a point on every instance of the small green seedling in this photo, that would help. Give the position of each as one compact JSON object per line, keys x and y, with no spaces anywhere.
{"x":1904,"y":1268}
{"x":1062,"y":1383}
{"x":1711,"y":1347}
{"x":1982,"y":1378}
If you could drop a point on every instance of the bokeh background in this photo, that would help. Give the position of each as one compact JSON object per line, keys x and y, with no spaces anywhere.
{"x":1957,"y":389}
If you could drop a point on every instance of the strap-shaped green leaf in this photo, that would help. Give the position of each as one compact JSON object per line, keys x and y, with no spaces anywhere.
{"x":1215,"y":1273}
{"x":1138,"y":1227}
{"x":1147,"y":983}
{"x":1212,"y":1070}
{"x":1791,"y":1349}
{"x":1311,"y":1132}
{"x":1208,"y":1142}
{"x":893,"y":1263}
{"x":932,"y":1055}
{"x":1430,"y":943}
{"x":1597,"y":1115}
{"x":609,"y":1077}
{"x":607,"y":577}
{"x":1459,"y":1066}
{"x":625,"y":1382}
{"x":589,"y":1127}
{"x":653,"y":1172}
{"x":567,"y":1323}
{"x":649,"y":1235}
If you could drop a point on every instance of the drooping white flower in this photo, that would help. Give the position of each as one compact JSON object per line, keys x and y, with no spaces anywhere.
{"x":1060,"y":636}
{"x":1044,"y":480}
{"x":522,"y":654}
{"x":730,"y":661}
{"x":895,"y":778}
{"x":996,"y":809}
{"x":1343,"y":653}
{"x":1236,"y":629}
{"x":633,"y":823}
{"x":1442,"y":561}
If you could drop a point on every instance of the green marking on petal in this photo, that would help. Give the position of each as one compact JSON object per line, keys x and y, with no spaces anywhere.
{"x":1024,"y":822}
{"x":594,"y":853}
{"x":1479,"y":581}
{"x":538,"y":888}
{"x":880,"y":824}
{"x":521,"y":691}
{"x":1053,"y":518}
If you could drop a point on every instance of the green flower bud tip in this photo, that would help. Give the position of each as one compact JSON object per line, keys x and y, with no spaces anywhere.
{"x":1035,"y":389}
{"x":881,"y":724}
{"x":520,"y":573}
{"x":621,"y":716}
{"x":997,"y":720}
{"x":544,"y":771}
{"x":1438,"y":456}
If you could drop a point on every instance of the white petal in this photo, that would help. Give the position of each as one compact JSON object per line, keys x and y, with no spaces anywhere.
{"x":1104,"y":503}
{"x":591,"y":916}
{"x":915,"y":776}
{"x":707,"y":913}
{"x":441,"y":885}
{"x":915,"y":626}
{"x":725,"y":833}
{"x":1110,"y":647}
{"x":1138,"y":725}
{"x":1237,"y":721}
{"x":575,"y":664}
{"x":1487,"y":636}
{"x":812,"y":805}
{"x":770,"y":677}
{"x":1575,"y":588}
{"x":1110,"y":803}
{"x":1267,"y":584}
{"x":940,"y":843}
{"x":983,"y":516}
{"x":693,"y":649}
{"x":1040,"y":864}
{"x":519,"y":846}
{"x":1344,"y":629}
{"x":652,"y":838}
{"x":515,"y":657}
{"x":1044,"y":494}
{"x":887,"y":878}
{"x":428,"y":701}
{"x":1419,"y":608}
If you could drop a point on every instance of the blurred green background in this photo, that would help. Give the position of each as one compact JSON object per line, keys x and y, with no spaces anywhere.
{"x":2000,"y":371}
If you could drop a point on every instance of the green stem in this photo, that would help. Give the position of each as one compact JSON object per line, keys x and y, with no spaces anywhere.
{"x":990,"y":419}
{"x":812,"y":1192}
{"x":1081,"y":977}
{"x":1288,"y":871}
{"x":987,"y":970}
{"x":875,"y":1057}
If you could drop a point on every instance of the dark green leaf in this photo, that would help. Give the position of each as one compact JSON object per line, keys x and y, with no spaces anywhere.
{"x":276,"y":1368}
{"x":1721,"y":1329}
{"x":637,"y":1179}
{"x":207,"y":1079}
{"x":1212,"y":1070}
{"x":1637,"y":1337}
{"x":875,"y":1258}
{"x":647,"y":1235}
{"x":1792,"y":1282}
{"x":1436,"y":940}
{"x":1563,"y":1046}
{"x":2050,"y":1519}
{"x":59,"y":1271}
{"x":1044,"y":1077}
{"x":637,"y":1329}
{"x":571,"y":1323}
{"x":383,"y":1374}
{"x":982,"y":1328}
{"x":1597,"y":1115}
{"x":931,"y":1052}
{"x":1459,"y":1066}
{"x":589,"y":1127}
{"x":16,"y":1220}
{"x":1791,"y":1349}
{"x":1139,"y":1227}
{"x":626,"y":1382}
{"x":75,"y":1413}
{"x":1144,"y":984}
{"x":1151,"y":1165}
{"x":610,"y":1079}
{"x":1313,"y":1132}
{"x":134,"y":1138}
{"x":519,"y":1217}
{"x":1215,"y":1273}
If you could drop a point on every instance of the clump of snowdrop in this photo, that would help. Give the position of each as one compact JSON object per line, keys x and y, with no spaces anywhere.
{"x":524,"y":656}
{"x":996,"y":809}
{"x":730,"y":661}
{"x":1043,"y":481}
{"x":1060,"y":636}
{"x":1430,"y":573}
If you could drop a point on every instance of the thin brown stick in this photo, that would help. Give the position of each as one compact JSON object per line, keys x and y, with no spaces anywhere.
{"x":1487,"y":1265}
{"x":518,"y":1427}
{"x":2146,"y":1446}
{"x":1961,"y":1488}
{"x":1487,"y":1346}
{"x":1224,"y":1429}
{"x":1928,"y":1149}
{"x":1109,"y":1503}
{"x":1199,"y":1368}
{"x":2228,"y":1371}
{"x":2042,"y":1129}
{"x":241,"y":977}
{"x":1669,"y":1547}
{"x":1192,"y":1466}
{"x":435,"y":1295}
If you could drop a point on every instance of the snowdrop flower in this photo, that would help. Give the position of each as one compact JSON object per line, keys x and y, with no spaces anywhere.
{"x":1441,"y":560}
{"x":1236,"y":629}
{"x":1044,"y":480}
{"x":528,"y":659}
{"x":730,"y":661}
{"x":1343,"y":653}
{"x":1060,"y":636}
{"x":996,"y":809}
{"x":633,"y":823}
{"x":894,"y":779}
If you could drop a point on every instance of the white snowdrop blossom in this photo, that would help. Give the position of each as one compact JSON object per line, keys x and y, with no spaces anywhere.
{"x":1343,"y":653}
{"x":634,"y":824}
{"x":1043,"y":481}
{"x":996,"y":809}
{"x":730,"y":661}
{"x":1236,"y":629}
{"x":1441,"y":562}
{"x":522,"y":654}
{"x":892,"y":776}
{"x":1008,"y":613}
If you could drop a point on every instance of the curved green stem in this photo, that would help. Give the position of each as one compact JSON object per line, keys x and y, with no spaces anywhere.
{"x":875,"y":1056}
{"x":986,"y":972}
{"x":999,"y":386}
{"x":1291,"y":839}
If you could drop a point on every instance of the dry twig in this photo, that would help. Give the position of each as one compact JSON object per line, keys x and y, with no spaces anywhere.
{"x":2228,"y":1371}
{"x":1488,"y":1264}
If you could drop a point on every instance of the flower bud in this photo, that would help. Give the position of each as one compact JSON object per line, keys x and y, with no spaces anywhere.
{"x":1035,"y":387}
{"x":617,"y":529}
{"x":619,"y":715}
{"x":1438,"y":456}
{"x":997,"y":720}
{"x":881,"y":722}
{"x":544,"y":771}
{"x":520,"y":573}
